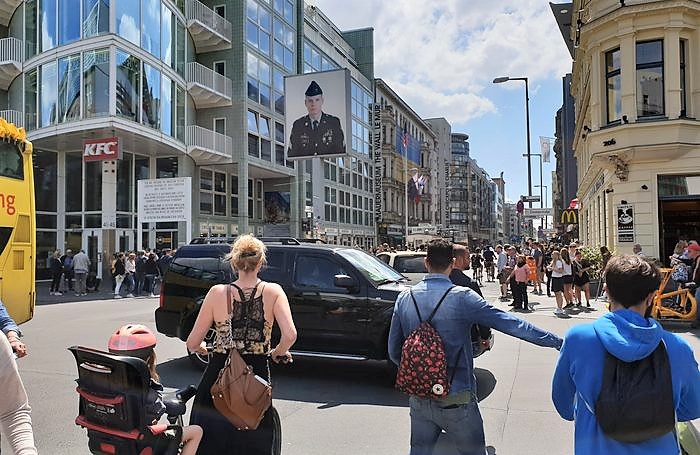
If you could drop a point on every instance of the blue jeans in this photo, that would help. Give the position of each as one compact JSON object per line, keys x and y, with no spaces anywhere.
{"x":462,"y":423}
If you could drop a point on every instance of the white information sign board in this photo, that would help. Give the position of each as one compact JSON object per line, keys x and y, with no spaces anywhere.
{"x":165,"y":200}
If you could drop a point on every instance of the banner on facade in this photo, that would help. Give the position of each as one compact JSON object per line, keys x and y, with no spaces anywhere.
{"x":317,"y":107}
{"x":165,"y":200}
{"x":625,"y":223}
{"x":569,"y":216}
{"x":545,"y":147}
{"x":101,"y":149}
{"x":378,"y":161}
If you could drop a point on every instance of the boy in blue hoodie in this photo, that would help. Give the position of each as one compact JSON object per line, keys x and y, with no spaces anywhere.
{"x":628,"y":335}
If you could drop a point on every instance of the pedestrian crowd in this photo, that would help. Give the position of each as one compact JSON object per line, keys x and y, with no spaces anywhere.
{"x":132,"y":273}
{"x":138,"y":273}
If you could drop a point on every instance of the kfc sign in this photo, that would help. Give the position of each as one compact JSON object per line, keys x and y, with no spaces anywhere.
{"x":101,"y":149}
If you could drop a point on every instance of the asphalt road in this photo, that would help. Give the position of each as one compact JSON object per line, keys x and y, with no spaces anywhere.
{"x":327,"y":407}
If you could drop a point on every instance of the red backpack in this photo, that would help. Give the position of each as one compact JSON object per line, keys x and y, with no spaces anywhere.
{"x":423,"y":367}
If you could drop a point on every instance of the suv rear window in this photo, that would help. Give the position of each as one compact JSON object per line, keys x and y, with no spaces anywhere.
{"x":207,"y":269}
{"x":410,"y":264}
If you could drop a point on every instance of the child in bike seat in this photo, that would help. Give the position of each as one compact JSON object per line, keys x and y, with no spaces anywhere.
{"x":137,"y":340}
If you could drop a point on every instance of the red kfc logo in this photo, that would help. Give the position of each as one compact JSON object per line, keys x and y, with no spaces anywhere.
{"x":101,"y":149}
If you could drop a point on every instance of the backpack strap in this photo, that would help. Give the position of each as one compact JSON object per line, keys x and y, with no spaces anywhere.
{"x":430,"y":318}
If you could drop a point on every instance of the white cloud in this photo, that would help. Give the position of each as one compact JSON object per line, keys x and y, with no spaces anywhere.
{"x":440,"y":56}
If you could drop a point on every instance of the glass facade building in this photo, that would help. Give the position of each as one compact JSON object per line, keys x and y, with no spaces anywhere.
{"x":187,"y":94}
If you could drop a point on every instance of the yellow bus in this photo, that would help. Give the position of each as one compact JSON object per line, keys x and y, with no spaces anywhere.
{"x":17,"y":223}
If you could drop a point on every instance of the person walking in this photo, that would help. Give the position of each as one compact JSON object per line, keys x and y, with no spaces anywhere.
{"x":501,"y":262}
{"x":458,"y":413}
{"x":15,"y":417}
{"x":119,"y":274}
{"x":460,"y":278}
{"x":130,"y":267}
{"x":81,"y":265}
{"x":56,"y":267}
{"x":520,"y":275}
{"x":547,"y":270}
{"x":538,"y":254}
{"x":581,"y":279}
{"x":140,"y":274}
{"x":68,"y":275}
{"x":567,"y":278}
{"x":242,"y":314}
{"x":557,"y":269}
{"x":151,"y":273}
{"x":626,"y":335}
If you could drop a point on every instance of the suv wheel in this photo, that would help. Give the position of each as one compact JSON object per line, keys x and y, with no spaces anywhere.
{"x":201,"y":360}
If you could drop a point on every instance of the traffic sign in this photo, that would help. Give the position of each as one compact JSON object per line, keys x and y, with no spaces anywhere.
{"x":537,"y":213}
{"x":530,"y":198}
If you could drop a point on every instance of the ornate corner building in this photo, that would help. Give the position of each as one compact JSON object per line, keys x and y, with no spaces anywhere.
{"x":636,"y":85}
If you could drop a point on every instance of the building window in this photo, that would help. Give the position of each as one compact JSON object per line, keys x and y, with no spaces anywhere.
{"x":128,"y":85}
{"x":650,"y":78}
{"x":258,"y":80}
{"x":47,"y":94}
{"x":205,"y":192}
{"x":69,"y":88}
{"x":151,"y":97}
{"x":220,"y":68}
{"x":258,"y":26}
{"x":96,"y":82}
{"x":682,"y":76}
{"x":220,"y":125}
{"x":128,"y":20}
{"x":284,"y":45}
{"x":613,"y":82}
{"x":234,"y":195}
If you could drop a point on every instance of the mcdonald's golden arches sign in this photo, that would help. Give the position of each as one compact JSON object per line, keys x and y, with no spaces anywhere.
{"x":569,"y":216}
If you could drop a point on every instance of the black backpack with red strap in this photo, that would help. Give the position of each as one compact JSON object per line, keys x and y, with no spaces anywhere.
{"x":423,"y":367}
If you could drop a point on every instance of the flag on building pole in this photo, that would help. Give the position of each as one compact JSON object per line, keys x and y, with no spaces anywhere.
{"x":404,"y":141}
{"x":544,"y":148}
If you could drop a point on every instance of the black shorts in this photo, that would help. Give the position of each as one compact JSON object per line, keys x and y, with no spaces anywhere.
{"x":557,"y":284}
{"x":568,"y":279}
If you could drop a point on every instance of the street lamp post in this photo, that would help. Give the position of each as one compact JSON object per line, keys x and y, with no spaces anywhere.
{"x":500,"y":80}
{"x":540,"y":185}
{"x":545,"y":198}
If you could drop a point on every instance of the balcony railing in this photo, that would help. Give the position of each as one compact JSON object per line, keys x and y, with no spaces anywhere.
{"x":207,"y":87}
{"x":15,"y":117}
{"x":208,"y":147}
{"x":11,"y":58}
{"x":210,"y":32}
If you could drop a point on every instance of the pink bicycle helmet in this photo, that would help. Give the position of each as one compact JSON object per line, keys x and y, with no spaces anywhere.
{"x":134,"y":340}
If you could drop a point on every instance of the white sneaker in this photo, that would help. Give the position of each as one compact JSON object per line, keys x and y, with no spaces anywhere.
{"x":77,"y":294}
{"x":558,"y":312}
{"x":117,"y":296}
{"x":57,"y":293}
{"x":152,"y":294}
{"x":130,"y":295}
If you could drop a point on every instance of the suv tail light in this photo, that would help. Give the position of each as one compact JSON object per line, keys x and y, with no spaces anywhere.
{"x":161,"y":297}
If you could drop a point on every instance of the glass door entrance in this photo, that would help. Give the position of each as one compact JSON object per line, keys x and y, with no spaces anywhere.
{"x":678,"y":220}
{"x":92,"y":244}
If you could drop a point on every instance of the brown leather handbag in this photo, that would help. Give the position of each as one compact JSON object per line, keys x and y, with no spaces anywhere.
{"x":238,"y":394}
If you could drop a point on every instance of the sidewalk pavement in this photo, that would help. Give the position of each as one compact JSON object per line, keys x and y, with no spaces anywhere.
{"x":103,"y":292}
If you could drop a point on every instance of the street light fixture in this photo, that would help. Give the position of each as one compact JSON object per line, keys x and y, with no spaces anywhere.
{"x":545,"y":198}
{"x":500,"y":80}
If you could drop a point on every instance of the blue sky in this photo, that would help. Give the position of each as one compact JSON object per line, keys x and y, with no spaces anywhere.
{"x":441,"y":57}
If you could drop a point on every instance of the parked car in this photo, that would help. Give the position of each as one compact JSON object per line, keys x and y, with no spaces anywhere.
{"x":342,"y":298}
{"x":410,"y":264}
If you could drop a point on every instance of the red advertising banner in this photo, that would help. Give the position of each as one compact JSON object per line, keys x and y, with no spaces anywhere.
{"x":101,"y":149}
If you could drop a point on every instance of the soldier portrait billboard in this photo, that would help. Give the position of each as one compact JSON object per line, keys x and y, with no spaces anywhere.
{"x":317,"y":107}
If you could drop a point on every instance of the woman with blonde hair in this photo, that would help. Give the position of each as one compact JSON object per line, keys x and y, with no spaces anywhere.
{"x":242,"y":314}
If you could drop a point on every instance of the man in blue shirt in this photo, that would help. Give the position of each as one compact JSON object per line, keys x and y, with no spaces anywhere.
{"x":458,"y":413}
{"x":11,"y":330}
{"x":629,"y":336}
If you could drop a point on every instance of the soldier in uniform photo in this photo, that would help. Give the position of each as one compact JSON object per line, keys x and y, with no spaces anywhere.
{"x":316,"y":133}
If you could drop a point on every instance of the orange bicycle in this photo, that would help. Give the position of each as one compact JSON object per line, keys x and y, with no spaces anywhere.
{"x":678,"y":305}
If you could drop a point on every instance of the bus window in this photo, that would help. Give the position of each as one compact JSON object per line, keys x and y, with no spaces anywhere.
{"x":11,"y":161}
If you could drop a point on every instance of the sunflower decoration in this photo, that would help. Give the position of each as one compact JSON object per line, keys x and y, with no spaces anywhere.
{"x":10,"y":133}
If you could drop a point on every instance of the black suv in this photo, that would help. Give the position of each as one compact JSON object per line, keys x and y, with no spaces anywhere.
{"x":342,"y":298}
